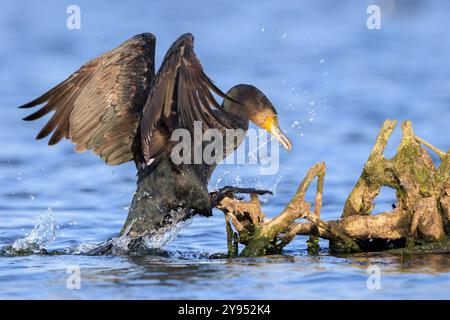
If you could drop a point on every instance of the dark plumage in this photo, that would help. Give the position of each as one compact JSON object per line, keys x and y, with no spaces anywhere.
{"x":117,"y":107}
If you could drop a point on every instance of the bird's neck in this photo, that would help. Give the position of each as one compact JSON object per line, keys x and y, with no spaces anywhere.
{"x":238,"y":113}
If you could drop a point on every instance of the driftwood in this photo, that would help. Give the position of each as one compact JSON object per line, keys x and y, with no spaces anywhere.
{"x":419,"y":221}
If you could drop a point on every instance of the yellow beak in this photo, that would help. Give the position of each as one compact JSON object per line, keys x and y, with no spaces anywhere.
{"x":272,"y":126}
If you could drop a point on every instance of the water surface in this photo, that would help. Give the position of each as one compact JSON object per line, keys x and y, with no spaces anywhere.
{"x":333,"y":81}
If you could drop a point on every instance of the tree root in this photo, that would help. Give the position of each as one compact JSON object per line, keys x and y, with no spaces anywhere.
{"x":420,"y":218}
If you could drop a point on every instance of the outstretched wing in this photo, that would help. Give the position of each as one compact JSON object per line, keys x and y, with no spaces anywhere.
{"x":99,"y":106}
{"x":181,"y":93}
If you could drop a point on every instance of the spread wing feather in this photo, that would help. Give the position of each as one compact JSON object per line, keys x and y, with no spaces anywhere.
{"x":181,"y":93}
{"x":99,"y":106}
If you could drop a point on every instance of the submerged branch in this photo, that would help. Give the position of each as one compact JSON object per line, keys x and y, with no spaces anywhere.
{"x":421,"y":214}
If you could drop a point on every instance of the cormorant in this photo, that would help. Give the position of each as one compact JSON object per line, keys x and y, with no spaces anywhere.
{"x":116,"y":106}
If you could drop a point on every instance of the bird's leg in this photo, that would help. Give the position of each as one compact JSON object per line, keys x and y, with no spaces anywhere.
{"x":229,"y":191}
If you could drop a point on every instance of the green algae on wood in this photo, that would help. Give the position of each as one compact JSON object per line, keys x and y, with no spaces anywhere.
{"x":421,"y":212}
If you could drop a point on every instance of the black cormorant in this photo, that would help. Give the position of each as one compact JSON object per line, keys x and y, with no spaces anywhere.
{"x":116,"y":106}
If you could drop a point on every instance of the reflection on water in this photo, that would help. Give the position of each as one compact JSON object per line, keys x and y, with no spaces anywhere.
{"x":333,"y":82}
{"x":281,"y":277}
{"x":420,"y":263}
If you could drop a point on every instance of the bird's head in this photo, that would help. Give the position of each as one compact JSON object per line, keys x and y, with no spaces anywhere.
{"x":257,"y":108}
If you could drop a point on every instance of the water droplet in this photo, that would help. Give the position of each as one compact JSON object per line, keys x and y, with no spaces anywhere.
{"x":42,"y":233}
{"x":295,"y":124}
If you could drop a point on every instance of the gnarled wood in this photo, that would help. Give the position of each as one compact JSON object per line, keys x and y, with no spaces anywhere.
{"x":420,"y":216}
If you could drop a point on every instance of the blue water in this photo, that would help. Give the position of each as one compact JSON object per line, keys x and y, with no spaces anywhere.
{"x":333,"y":82}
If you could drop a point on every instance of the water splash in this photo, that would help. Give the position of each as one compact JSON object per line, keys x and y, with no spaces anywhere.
{"x":80,"y":249}
{"x":147,"y":245}
{"x":42,"y":233}
{"x":166,"y":235}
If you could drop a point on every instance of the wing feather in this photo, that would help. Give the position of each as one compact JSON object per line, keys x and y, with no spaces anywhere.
{"x":181,"y":93}
{"x":99,"y":106}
